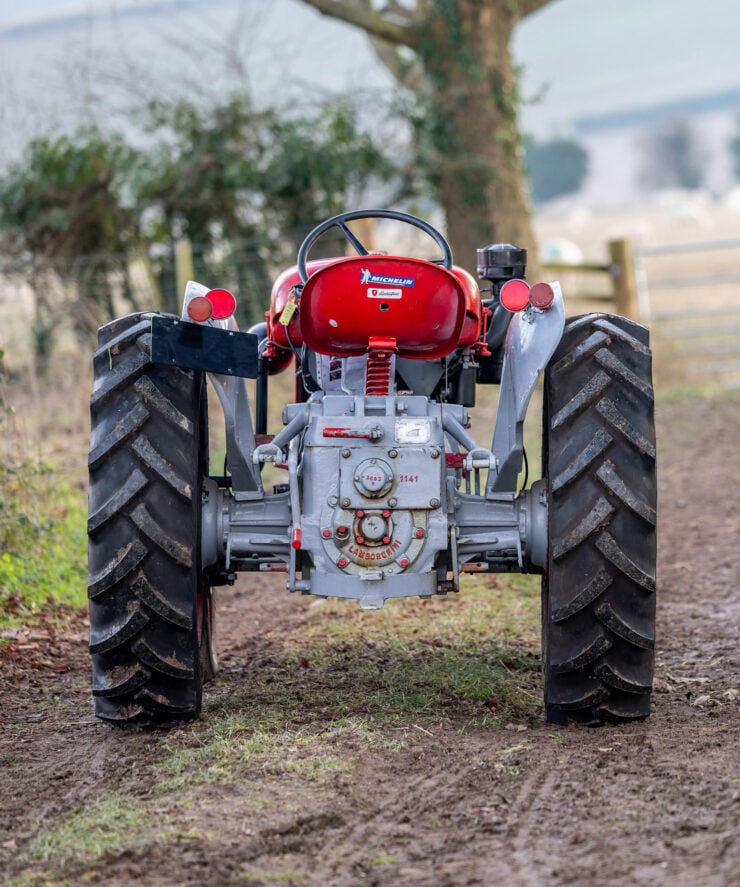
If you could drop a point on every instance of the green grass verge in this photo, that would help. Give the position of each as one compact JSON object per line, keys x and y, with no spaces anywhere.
{"x":43,"y":555}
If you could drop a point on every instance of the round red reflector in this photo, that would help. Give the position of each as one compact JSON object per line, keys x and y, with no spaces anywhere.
{"x":200,"y":309}
{"x":541,"y":296}
{"x":514,"y":294}
{"x":224,"y":304}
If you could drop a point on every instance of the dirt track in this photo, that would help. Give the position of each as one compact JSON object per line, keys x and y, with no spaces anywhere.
{"x":655,"y":802}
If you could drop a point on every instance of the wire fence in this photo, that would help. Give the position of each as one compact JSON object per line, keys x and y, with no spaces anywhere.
{"x":687,"y":292}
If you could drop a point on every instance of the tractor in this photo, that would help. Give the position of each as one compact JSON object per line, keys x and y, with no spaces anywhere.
{"x":385,"y":493}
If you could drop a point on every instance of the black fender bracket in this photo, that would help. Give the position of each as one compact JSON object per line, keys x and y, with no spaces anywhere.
{"x":195,"y":346}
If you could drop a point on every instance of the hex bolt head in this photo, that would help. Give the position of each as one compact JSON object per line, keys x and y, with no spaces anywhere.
{"x":393,"y":453}
{"x":434,"y":503}
{"x":386,"y":514}
{"x":326,"y":534}
{"x":404,"y":562}
{"x":393,"y":502}
{"x":360,"y":540}
{"x":346,"y":454}
{"x":360,"y":513}
{"x":386,"y":540}
{"x":419,"y":533}
{"x":342,"y":562}
{"x":346,"y":503}
{"x":435,"y":454}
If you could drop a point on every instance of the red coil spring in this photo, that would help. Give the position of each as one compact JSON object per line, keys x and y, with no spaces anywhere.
{"x":378,"y":373}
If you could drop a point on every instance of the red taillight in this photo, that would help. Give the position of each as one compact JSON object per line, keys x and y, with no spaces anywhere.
{"x":200,"y":309}
{"x":223,"y":302}
{"x":217,"y":304}
{"x":541,"y":296}
{"x":514,"y":294}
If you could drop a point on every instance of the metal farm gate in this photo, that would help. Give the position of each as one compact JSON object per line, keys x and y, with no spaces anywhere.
{"x":689,"y":294}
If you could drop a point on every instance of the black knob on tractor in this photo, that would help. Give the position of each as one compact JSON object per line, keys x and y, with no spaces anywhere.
{"x":499,"y":262}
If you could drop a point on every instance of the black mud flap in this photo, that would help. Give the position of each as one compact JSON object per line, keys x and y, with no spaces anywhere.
{"x":195,"y":346}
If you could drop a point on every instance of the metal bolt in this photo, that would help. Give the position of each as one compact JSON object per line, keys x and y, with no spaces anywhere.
{"x":346,"y":454}
{"x":435,"y":454}
{"x":404,"y":562}
{"x":346,"y":503}
{"x":434,"y":503}
{"x":386,"y":540}
{"x":342,"y":530}
{"x":326,"y":534}
{"x":393,"y":453}
{"x":360,"y":513}
{"x":419,"y":533}
{"x":360,"y":540}
{"x":342,"y":562}
{"x":393,"y":502}
{"x":332,"y":501}
{"x":386,"y":514}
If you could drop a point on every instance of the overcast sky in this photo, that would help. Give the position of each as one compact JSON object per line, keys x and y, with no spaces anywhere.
{"x":15,"y":12}
{"x":579,"y":57}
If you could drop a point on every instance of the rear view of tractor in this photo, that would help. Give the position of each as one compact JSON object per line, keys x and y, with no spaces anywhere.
{"x":386,"y":493}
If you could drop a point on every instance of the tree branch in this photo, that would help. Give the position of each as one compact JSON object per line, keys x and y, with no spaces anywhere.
{"x":371,"y":21}
{"x":408,"y":73}
{"x":527,"y":7}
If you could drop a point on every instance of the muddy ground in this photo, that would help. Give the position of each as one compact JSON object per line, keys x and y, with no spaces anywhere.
{"x":526,"y":803}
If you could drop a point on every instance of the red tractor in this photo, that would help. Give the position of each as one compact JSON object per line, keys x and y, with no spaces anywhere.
{"x":386,"y":492}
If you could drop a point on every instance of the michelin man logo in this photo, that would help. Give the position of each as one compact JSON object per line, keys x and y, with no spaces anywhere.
{"x":368,"y":277}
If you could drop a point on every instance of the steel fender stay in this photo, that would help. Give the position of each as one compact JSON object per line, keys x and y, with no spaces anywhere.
{"x":531,"y":341}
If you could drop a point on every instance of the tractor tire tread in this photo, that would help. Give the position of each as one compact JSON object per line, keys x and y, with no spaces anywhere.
{"x":599,"y":457}
{"x":145,"y":478}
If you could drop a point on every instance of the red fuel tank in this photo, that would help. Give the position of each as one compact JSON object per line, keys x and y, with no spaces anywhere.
{"x":418,"y":303}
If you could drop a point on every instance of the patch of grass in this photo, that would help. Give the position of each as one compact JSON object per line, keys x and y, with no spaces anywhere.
{"x":385,"y":859}
{"x":234,"y":743}
{"x":44,"y":557}
{"x":111,"y":824}
{"x":79,"y":840}
{"x":364,"y":731}
{"x":343,"y":673}
{"x":344,"y":678}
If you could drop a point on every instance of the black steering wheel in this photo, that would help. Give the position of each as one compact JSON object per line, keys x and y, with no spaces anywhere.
{"x":341,"y":220}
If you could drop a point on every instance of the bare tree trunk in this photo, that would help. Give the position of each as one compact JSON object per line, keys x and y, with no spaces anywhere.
{"x":461,"y":48}
{"x":479,"y":151}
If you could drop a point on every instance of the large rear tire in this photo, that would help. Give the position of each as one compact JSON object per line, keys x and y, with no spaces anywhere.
{"x":150,"y":602}
{"x":598,"y":593}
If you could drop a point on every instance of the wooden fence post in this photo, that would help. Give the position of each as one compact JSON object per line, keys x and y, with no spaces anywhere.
{"x":183,"y":265}
{"x":365,"y":230}
{"x":622,"y":271}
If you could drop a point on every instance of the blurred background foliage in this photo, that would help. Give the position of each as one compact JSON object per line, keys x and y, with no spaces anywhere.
{"x":86,"y":212}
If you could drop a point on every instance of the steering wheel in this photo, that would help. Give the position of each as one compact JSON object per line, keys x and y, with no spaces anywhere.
{"x":341,"y":220}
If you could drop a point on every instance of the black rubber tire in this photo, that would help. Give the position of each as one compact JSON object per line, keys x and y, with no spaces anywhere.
{"x":150,"y":636}
{"x":598,"y":592}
